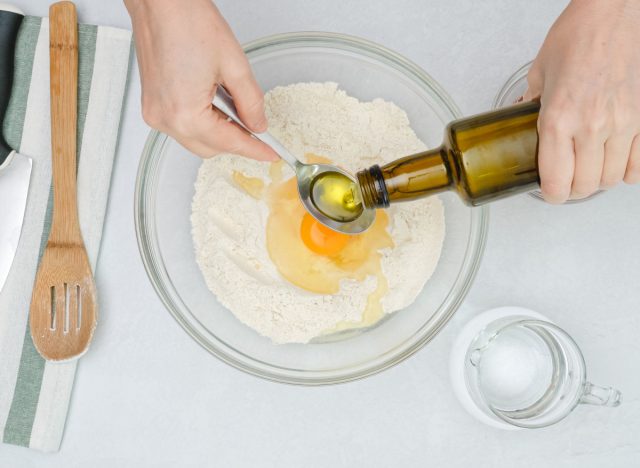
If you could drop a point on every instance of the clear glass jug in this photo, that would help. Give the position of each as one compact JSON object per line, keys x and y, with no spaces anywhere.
{"x":529,"y":373}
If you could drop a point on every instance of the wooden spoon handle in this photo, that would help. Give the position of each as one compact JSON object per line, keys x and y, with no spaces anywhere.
{"x":63,"y":54}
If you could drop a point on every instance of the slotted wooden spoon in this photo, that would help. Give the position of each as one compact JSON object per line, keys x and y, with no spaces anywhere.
{"x":63,"y":304}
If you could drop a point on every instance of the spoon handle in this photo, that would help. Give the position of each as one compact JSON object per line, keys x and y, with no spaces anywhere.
{"x":224,"y":102}
{"x":63,"y":52}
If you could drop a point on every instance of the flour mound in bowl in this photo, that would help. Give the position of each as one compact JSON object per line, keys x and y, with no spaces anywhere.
{"x":229,"y":221}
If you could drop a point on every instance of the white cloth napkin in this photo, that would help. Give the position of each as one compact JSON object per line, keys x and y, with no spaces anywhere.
{"x":34,"y":394}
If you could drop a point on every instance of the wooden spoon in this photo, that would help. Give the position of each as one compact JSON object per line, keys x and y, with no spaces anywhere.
{"x":63,"y":304}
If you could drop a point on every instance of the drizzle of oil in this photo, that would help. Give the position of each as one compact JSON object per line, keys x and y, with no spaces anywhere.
{"x":372,"y":313}
{"x":306,"y":269}
{"x":254,"y":186}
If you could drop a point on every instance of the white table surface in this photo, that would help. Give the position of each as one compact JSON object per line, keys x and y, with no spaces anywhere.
{"x":147,"y":395}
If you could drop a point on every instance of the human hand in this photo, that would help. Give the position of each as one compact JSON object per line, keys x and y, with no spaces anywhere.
{"x":184,"y":50}
{"x":587,"y":75}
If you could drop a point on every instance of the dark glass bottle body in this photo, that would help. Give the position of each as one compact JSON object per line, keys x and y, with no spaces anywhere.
{"x":483,"y":158}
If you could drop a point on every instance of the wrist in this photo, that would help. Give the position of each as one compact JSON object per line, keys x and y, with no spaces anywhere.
{"x":608,"y":6}
{"x":615,"y":13}
{"x":135,"y":7}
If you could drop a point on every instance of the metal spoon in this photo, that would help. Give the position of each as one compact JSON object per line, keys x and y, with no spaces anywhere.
{"x":305,"y":173}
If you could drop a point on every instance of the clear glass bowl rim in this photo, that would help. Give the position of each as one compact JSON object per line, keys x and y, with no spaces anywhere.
{"x":512,"y":81}
{"x":144,"y":220}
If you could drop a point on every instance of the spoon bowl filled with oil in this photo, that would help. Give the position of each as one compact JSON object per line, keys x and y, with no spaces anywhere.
{"x":330,"y":194}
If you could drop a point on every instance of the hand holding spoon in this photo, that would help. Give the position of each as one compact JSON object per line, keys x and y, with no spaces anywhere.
{"x":330,"y":194}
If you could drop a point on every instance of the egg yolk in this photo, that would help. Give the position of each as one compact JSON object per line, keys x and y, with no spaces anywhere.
{"x":320,"y":239}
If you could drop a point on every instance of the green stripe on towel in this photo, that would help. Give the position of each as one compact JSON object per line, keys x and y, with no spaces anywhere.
{"x":15,"y":430}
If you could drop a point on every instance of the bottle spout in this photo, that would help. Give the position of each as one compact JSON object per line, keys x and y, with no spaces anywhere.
{"x":373,"y":189}
{"x":601,"y":396}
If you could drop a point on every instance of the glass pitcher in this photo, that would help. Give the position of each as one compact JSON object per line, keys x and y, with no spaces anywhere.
{"x":529,"y":373}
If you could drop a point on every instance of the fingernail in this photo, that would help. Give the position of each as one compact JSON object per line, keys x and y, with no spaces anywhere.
{"x":260,"y":125}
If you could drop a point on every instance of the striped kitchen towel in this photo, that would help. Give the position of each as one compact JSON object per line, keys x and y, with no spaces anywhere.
{"x":34,"y":394}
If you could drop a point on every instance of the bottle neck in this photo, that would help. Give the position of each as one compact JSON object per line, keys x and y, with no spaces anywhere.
{"x":408,"y":178}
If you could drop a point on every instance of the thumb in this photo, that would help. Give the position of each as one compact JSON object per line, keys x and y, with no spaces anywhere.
{"x":535,"y":83}
{"x":213,"y":134}
{"x":528,"y":95}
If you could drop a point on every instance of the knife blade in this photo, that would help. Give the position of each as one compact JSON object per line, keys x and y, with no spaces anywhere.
{"x":15,"y":168}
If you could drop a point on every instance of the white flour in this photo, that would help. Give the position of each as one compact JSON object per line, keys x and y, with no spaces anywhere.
{"x":228,"y":225}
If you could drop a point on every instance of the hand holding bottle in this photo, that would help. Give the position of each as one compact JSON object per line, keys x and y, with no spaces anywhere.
{"x":184,"y":50}
{"x":587,"y":75}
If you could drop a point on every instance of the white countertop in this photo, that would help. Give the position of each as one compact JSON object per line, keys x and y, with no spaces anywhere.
{"x":147,"y":395}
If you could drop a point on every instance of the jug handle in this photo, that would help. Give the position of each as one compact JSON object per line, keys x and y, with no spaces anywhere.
{"x":600,"y":396}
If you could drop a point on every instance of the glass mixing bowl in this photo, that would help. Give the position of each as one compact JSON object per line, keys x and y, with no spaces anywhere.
{"x":163,"y":196}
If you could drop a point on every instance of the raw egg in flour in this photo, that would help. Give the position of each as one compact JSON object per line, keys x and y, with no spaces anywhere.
{"x":313,"y":256}
{"x":321,"y":239}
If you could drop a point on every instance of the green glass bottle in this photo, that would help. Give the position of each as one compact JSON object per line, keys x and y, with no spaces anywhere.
{"x":483,"y":158}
